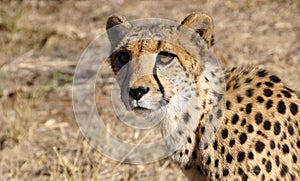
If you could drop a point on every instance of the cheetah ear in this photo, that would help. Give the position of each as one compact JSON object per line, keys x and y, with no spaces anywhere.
{"x":202,"y":24}
{"x":121,"y":27}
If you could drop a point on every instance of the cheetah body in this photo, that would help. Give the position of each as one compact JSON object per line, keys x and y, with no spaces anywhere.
{"x":237,"y":123}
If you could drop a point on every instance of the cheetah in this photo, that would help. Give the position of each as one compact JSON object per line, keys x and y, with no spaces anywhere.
{"x":222,"y":123}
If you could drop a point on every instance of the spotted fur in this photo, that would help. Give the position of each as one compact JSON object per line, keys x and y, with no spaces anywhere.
{"x":237,"y":123}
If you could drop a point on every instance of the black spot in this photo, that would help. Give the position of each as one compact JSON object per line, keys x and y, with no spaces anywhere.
{"x":239,"y":99}
{"x":243,"y":122}
{"x":249,"y":108}
{"x":194,"y":154}
{"x":268,"y":166}
{"x":229,"y":158}
{"x":217,"y":176}
{"x":294,"y":108}
{"x":258,"y":84}
{"x":186,"y":151}
{"x":260,"y":99}
{"x":267,"y":125}
{"x":269,"y":84}
{"x":216,"y":163}
{"x":215,"y":145}
{"x":202,"y":116}
{"x":227,"y":87}
{"x":277,"y":161}
{"x":213,"y":74}
{"x":261,"y":73}
{"x":281,"y":107}
{"x":189,"y":139}
{"x":284,"y":170}
{"x":241,"y":156}
{"x":225,"y":133}
{"x":231,"y":143}
{"x":272,"y":144}
{"x":256,"y":170}
{"x":228,"y":105}
{"x":274,"y":79}
{"x":210,"y":118}
{"x":291,"y":130}
{"x":222,"y":149}
{"x":180,"y":154}
{"x":250,"y":155}
{"x":236,"y":85}
{"x":285,"y":149}
{"x":294,"y":158}
{"x":283,"y":136}
{"x":259,"y":146}
{"x":205,"y":145}
{"x":248,"y":80}
{"x":263,"y":161}
{"x":250,"y":128}
{"x":292,"y":177}
{"x":258,"y":118}
{"x":263,"y":177}
{"x":249,"y":92}
{"x":269,"y":104}
{"x":268,"y":92}
{"x":206,"y":79}
{"x":225,"y":172}
{"x":243,"y":138}
{"x":186,"y":117}
{"x":235,"y":119}
{"x":277,"y":128}
{"x":298,"y":144}
{"x":240,"y":171}
{"x":288,"y":89}
{"x":208,"y":161}
{"x":202,"y":130}
{"x":286,"y":94}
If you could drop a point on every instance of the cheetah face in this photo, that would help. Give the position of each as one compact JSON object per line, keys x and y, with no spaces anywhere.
{"x":151,"y":77}
{"x":154,"y":73}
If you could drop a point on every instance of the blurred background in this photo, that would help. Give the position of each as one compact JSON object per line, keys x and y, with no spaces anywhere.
{"x":41,"y":42}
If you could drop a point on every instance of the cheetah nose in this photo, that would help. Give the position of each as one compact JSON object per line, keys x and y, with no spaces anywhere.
{"x":137,"y":93}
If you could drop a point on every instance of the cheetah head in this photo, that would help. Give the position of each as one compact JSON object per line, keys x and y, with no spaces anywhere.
{"x":159,"y":66}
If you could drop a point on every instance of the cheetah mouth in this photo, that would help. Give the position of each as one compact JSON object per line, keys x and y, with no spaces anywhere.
{"x":137,"y":105}
{"x":141,"y":110}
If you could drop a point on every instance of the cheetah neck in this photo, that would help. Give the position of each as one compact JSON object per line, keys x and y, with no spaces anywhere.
{"x":181,"y":128}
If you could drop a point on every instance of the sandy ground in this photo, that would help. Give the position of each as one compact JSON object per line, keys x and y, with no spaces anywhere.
{"x":41,"y":43}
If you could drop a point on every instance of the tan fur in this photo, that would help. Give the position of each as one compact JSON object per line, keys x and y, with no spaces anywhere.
{"x":220,"y":123}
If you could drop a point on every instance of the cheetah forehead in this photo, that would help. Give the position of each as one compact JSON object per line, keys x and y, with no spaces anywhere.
{"x":161,"y":36}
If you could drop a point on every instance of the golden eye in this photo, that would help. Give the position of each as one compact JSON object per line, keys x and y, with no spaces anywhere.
{"x":165,"y":57}
{"x":123,"y":57}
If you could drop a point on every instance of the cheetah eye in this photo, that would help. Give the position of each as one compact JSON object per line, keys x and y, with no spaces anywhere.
{"x":123,"y":57}
{"x":165,"y":58}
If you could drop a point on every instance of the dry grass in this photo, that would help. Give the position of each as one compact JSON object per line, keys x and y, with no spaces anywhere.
{"x":40,"y":44}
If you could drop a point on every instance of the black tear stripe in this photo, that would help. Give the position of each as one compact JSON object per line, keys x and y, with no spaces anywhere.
{"x":161,"y":88}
